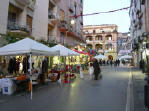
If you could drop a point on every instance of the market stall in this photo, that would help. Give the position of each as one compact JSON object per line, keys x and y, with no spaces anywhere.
{"x":84,"y":57}
{"x":67,"y":67}
{"x":28,"y":47}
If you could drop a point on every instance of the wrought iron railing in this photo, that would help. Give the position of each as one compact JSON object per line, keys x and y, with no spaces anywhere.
{"x":15,"y":26}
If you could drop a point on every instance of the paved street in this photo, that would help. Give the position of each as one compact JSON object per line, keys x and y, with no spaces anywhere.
{"x":138,"y":83}
{"x":107,"y":94}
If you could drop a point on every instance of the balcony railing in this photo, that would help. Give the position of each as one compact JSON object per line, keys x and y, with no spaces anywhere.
{"x":14,"y":26}
{"x":56,"y":1}
{"x":52,"y":18}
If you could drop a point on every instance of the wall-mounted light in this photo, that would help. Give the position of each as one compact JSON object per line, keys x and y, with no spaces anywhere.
{"x":72,"y":22}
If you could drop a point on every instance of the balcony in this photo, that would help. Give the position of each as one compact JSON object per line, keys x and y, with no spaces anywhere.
{"x":56,"y":1}
{"x":23,"y":2}
{"x":15,"y":27}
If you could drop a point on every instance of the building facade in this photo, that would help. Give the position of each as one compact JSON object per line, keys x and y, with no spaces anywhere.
{"x":103,"y":38}
{"x":123,"y":44}
{"x":139,"y":29}
{"x":49,"y":20}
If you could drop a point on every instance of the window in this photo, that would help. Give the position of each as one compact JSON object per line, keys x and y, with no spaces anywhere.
{"x":109,"y":46}
{"x":12,"y":19}
{"x":90,"y":38}
{"x":99,"y":38}
{"x":98,"y":46}
{"x":94,"y":31}
{"x":109,"y":37}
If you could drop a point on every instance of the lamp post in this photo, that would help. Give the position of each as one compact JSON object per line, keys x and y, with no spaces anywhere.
{"x":72,"y":22}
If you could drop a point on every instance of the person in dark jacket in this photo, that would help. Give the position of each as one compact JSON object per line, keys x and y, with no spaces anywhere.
{"x":96,"y":68}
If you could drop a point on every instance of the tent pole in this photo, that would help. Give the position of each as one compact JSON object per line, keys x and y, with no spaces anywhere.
{"x":31,"y":76}
{"x":69,"y":69}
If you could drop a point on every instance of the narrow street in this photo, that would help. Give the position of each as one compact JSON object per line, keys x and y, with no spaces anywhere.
{"x":107,"y":94}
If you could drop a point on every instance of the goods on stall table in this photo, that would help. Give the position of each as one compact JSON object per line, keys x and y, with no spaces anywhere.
{"x":22,"y":77}
{"x":53,"y":77}
{"x":72,"y":76}
{"x":35,"y":78}
{"x":8,"y":86}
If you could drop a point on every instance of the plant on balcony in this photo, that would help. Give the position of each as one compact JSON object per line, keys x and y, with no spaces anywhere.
{"x":12,"y":37}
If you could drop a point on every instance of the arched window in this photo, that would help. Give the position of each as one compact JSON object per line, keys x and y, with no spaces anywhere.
{"x":89,"y":38}
{"x":98,"y":46}
{"x":109,"y":46}
{"x":108,"y":37}
{"x":90,"y":46}
{"x":98,"y":38}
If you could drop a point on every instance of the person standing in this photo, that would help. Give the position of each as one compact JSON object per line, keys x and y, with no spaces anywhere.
{"x":111,"y":62}
{"x":91,"y":70}
{"x":96,"y":68}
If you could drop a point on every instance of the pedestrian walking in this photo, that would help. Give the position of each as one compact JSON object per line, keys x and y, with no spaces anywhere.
{"x":96,"y":69}
{"x":118,"y":62}
{"x":111,"y":62}
{"x":91,"y":70}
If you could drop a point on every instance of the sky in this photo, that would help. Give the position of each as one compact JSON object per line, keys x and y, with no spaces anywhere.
{"x":120,"y":18}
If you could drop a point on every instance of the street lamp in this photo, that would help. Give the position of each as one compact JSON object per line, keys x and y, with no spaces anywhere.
{"x":72,"y":22}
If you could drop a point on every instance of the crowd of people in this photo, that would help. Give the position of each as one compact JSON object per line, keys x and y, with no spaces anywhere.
{"x":110,"y":62}
{"x":95,"y":70}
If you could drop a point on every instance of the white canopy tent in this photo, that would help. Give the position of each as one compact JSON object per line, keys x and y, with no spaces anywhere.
{"x":100,"y":57}
{"x":28,"y":47}
{"x":65,"y":51}
{"x":125,"y":57}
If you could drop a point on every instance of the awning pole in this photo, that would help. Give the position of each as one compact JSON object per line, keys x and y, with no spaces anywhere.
{"x":31,"y":76}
